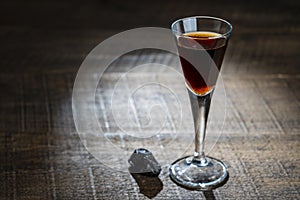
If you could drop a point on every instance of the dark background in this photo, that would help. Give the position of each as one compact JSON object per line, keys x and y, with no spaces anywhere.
{"x":51,"y":35}
{"x":42,"y":46}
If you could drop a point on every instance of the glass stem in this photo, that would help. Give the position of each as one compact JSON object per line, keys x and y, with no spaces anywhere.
{"x":200,"y":109}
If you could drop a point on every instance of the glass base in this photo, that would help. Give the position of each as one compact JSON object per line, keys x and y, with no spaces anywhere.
{"x":205,"y":174}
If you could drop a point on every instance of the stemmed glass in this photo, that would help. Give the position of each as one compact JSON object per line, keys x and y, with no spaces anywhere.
{"x":201,"y":43}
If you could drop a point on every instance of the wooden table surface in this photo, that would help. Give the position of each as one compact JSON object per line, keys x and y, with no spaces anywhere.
{"x":42,"y":47}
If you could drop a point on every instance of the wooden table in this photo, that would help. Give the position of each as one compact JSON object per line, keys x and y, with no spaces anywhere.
{"x":43,"y":45}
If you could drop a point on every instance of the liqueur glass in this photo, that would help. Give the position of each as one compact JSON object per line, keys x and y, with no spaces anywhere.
{"x":201,"y":42}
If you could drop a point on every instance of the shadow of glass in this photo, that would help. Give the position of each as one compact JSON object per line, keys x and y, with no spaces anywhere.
{"x":209,"y":195}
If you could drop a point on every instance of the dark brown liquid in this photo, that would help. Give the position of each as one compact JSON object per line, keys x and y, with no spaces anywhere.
{"x":189,"y":51}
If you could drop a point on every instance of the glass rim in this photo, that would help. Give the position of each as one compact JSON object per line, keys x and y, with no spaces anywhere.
{"x":227,"y":34}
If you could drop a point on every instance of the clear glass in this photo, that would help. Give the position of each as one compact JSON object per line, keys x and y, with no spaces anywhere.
{"x":201,"y":43}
